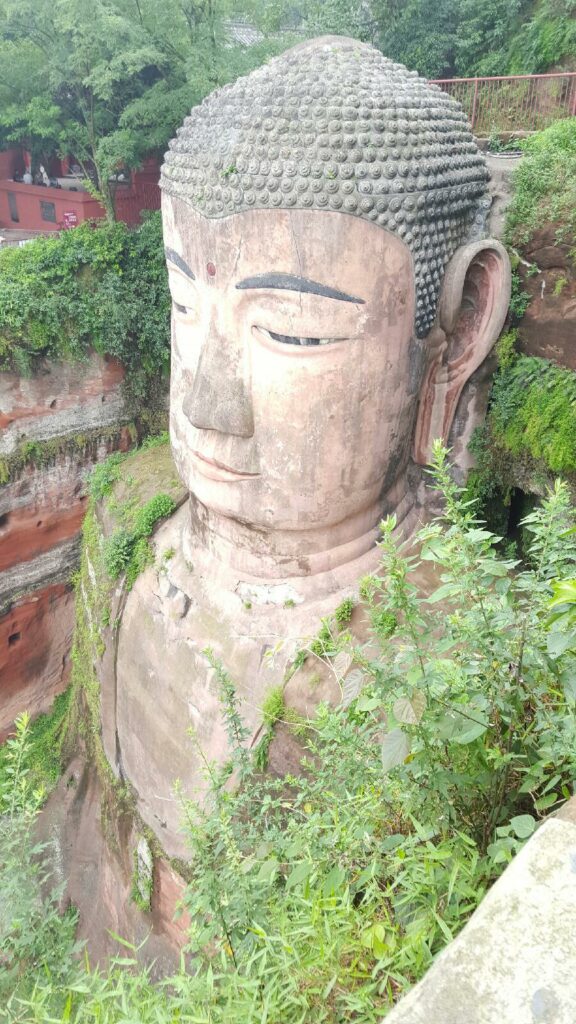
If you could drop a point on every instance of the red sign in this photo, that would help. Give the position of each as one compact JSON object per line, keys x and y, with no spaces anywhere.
{"x":70,"y":218}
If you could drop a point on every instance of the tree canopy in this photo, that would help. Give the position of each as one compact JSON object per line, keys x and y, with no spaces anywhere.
{"x":108,"y":81}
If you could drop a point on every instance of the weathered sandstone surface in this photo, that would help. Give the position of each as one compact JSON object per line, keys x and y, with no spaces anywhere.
{"x":93,"y":852}
{"x":548,"y":327}
{"x":60,"y":399}
{"x":35,"y":640}
{"x":54,"y":426}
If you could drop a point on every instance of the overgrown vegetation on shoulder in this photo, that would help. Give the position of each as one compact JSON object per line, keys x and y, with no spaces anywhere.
{"x":318,"y":898}
{"x":98,"y":286}
{"x":95,"y":584}
{"x":545,"y":184}
{"x":128,"y":549}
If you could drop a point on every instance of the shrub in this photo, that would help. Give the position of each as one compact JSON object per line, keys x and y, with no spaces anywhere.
{"x":544,"y":183}
{"x":42,"y":747}
{"x":128,"y":550}
{"x":98,"y":286}
{"x":33,"y":936}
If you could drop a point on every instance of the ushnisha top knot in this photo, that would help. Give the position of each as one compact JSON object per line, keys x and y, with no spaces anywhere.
{"x":332,"y":124}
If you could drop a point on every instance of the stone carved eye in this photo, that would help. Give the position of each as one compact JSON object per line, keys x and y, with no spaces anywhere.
{"x":287,"y":339}
{"x":181,"y":309}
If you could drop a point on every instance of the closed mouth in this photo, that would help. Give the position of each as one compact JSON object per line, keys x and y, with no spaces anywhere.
{"x":217,"y":470}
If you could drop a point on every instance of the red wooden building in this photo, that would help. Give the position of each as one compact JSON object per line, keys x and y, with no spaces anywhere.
{"x":32,"y":207}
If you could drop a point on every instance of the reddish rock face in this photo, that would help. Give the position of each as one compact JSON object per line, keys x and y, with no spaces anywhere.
{"x":45,"y":506}
{"x":35,"y":641}
{"x":548,"y":328}
{"x":41,"y":512}
{"x":48,"y":508}
{"x":56,"y":389}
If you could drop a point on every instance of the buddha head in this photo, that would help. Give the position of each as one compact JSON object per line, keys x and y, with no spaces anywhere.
{"x":332,"y":292}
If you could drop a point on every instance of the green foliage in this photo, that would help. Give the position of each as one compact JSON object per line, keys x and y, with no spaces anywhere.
{"x":33,"y":936}
{"x":532,"y":412}
{"x":159,"y":507}
{"x":325,"y":644}
{"x":128,"y":550}
{"x":506,"y":349}
{"x":343,"y":613}
{"x":460,"y":37}
{"x":142,"y":875}
{"x":519,"y":299}
{"x":142,"y":556}
{"x":544,"y":183}
{"x":273,"y":710}
{"x":94,"y":287}
{"x":155,"y":441}
{"x":104,"y":475}
{"x":560,"y":286}
{"x":273,"y":706}
{"x":118,"y":552}
{"x":111,"y":83}
{"x":529,"y":433}
{"x":45,"y":453}
{"x":545,"y":40}
{"x":43,"y":747}
{"x":485,"y":695}
{"x":563,"y":605}
{"x":318,"y":898}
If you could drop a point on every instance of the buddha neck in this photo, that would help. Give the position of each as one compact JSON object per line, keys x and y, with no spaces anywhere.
{"x":280,"y":554}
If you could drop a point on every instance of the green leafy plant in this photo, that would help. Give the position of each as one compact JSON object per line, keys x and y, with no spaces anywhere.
{"x":42,"y":747}
{"x":273,"y":710}
{"x":321,"y":896}
{"x":104,"y":475}
{"x":343,"y":613}
{"x":128,"y":550}
{"x":519,"y":299}
{"x":532,"y":411}
{"x":544,"y":183}
{"x":100,"y":287}
{"x":33,"y":935}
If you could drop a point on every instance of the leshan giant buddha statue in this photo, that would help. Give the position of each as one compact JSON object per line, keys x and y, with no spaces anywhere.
{"x":332,"y":294}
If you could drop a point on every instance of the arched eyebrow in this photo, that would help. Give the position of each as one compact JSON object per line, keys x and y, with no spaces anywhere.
{"x":179,"y":262}
{"x":291,"y":283}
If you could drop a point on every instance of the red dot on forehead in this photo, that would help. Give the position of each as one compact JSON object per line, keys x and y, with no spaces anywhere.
{"x":211,"y":269}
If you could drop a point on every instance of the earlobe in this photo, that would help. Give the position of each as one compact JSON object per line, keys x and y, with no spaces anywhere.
{"x":472,"y":309}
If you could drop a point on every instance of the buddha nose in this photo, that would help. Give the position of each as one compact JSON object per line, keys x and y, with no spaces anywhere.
{"x":220,"y":398}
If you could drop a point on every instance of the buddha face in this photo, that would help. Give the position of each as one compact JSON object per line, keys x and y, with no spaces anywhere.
{"x":294,"y":373}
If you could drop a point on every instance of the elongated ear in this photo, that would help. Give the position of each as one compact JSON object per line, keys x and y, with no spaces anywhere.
{"x":472,"y":309}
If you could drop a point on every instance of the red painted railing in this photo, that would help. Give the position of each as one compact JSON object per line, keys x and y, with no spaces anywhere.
{"x":515,"y":102}
{"x":129,"y":208}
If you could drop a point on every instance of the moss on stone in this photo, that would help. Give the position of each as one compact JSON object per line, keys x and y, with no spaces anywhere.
{"x":144,"y":474}
{"x":40,"y":454}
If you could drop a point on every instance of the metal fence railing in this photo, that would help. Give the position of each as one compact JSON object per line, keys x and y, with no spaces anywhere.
{"x":515,"y":102}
